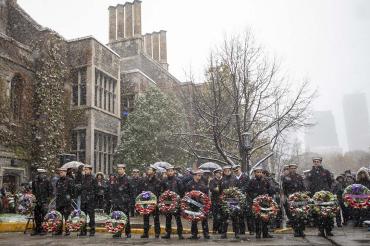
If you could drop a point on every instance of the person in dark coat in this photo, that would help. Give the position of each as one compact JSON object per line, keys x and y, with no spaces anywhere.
{"x":173,"y":183}
{"x":198,"y":185}
{"x":362,"y":177}
{"x":292,"y":183}
{"x":215,"y":189}
{"x":64,"y":195}
{"x":243,"y":181}
{"x":135,"y":183}
{"x":229,"y":181}
{"x":153,"y":184}
{"x":78,"y":180}
{"x":319,"y":178}
{"x":259,"y":185}
{"x":120,"y":193}
{"x":43,"y":191}
{"x":338,"y":188}
{"x":101,"y":196}
{"x":89,"y":191}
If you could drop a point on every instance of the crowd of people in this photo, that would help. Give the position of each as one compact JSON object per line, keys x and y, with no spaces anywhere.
{"x":118,"y":193}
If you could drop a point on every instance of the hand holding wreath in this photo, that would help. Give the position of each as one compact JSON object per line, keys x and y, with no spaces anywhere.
{"x":356,"y":196}
{"x":169,"y":202}
{"x":195,"y":206}
{"x":264,"y":207}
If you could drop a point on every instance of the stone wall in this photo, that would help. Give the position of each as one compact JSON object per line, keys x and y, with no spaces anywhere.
{"x":152,"y":69}
{"x":106,"y":59}
{"x":106,"y":123}
{"x":80,"y":52}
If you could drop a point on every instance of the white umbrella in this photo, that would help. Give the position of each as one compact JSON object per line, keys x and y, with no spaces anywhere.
{"x":162,"y":164}
{"x":209,"y":166}
{"x":72,"y":164}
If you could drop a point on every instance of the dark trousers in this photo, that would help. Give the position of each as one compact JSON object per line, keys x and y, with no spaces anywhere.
{"x":169,"y":223}
{"x":242,"y":223}
{"x":157,"y":228}
{"x":217,"y":220}
{"x":65,"y":210}
{"x":325,"y":224}
{"x":261,"y":227}
{"x":124,"y":208}
{"x":40,"y":211}
{"x":100,"y":203}
{"x":194,"y":227}
{"x":235,"y":219}
{"x":89,"y":210}
{"x":298,"y":225}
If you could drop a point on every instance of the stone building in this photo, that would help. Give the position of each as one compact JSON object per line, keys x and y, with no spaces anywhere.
{"x":105,"y":81}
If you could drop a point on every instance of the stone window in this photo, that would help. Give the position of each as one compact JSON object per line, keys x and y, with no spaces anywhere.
{"x":79,"y":87}
{"x":105,"y":91}
{"x":104,"y":146}
{"x":79,"y":144}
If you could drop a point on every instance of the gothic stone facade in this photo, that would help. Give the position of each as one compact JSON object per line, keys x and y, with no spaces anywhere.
{"x":106,"y":79}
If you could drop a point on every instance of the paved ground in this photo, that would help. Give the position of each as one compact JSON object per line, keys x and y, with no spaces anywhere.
{"x":347,"y":237}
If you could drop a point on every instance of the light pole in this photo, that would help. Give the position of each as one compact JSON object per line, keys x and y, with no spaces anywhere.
{"x":247,"y":137}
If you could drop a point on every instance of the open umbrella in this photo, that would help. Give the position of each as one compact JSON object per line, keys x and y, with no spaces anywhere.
{"x":209,"y":166}
{"x":162,"y":164}
{"x":72,"y":164}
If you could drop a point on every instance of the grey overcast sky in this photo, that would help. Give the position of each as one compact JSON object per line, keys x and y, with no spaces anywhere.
{"x":325,"y":41}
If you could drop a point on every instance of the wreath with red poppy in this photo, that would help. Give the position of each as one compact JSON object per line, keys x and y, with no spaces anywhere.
{"x":168,"y":202}
{"x":195,"y":206}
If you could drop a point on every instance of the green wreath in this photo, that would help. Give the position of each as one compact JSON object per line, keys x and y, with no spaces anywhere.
{"x":233,"y":201}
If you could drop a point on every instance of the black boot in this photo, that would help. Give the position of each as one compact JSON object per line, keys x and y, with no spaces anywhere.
{"x":296,"y":233}
{"x":194,"y":237}
{"x":328,"y":233}
{"x":145,"y":235}
{"x":167,"y":236}
{"x":34,"y":233}
{"x":321,"y":232}
{"x":181,"y":237}
{"x":92,"y":232}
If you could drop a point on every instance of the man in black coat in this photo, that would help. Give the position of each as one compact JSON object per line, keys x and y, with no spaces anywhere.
{"x":198,"y":185}
{"x":215,"y":189}
{"x":243,"y":181}
{"x":89,"y":191}
{"x":292,"y":183}
{"x":173,"y":183}
{"x":42,"y":190}
{"x":120,"y":193}
{"x":259,"y":185}
{"x":320,"y":179}
{"x":230,"y":181}
{"x":153,"y":184}
{"x":136,"y":184}
{"x":64,"y":194}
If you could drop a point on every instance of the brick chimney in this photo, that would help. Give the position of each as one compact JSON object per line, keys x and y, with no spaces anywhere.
{"x":125,"y":21}
{"x":155,"y":46}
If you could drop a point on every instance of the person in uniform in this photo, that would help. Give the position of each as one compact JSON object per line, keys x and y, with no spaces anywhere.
{"x":259,"y":185}
{"x":243,"y":181}
{"x":291,"y":183}
{"x":135,"y":183}
{"x":320,"y":179}
{"x":173,"y":183}
{"x":153,"y":184}
{"x":64,"y":194}
{"x":43,"y":191}
{"x":338,"y":188}
{"x":120,"y":195}
{"x":215,"y":189}
{"x":102,"y":191}
{"x":198,"y":185}
{"x":229,"y":181}
{"x":89,"y":191}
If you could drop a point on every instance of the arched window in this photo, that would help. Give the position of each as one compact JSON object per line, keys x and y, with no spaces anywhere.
{"x":16,"y":91}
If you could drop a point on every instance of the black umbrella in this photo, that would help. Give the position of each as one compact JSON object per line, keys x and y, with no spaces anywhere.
{"x":209,"y":166}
